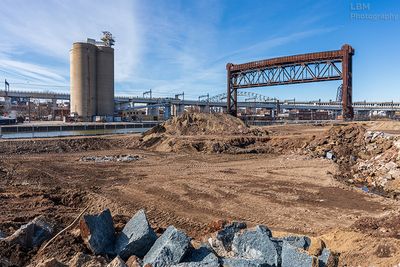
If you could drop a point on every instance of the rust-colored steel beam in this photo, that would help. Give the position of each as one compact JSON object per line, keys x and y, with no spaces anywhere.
{"x":312,"y":67}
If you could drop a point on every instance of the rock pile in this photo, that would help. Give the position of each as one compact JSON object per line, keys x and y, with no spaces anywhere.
{"x":233,"y":245}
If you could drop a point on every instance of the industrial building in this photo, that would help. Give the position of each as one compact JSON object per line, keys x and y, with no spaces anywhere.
{"x":92,"y":79}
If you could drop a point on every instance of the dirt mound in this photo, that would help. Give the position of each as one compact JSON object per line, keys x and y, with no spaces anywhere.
{"x":203,"y":124}
{"x":59,"y":145}
{"x":388,"y":226}
{"x":209,"y":133}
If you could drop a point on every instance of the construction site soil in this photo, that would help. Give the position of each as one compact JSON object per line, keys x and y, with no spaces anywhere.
{"x":196,"y":169}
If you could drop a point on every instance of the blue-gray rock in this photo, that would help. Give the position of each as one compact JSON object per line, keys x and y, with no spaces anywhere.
{"x":296,"y":257}
{"x":98,"y":232}
{"x":203,"y":256}
{"x":303,"y":242}
{"x":327,"y":258}
{"x":117,"y":262}
{"x":240,"y":262}
{"x":32,"y":234}
{"x":223,"y":239}
{"x":256,"y":244}
{"x":136,"y":238}
{"x":169,"y":249}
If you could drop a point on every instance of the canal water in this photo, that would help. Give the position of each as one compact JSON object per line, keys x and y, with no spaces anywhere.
{"x":24,"y":131}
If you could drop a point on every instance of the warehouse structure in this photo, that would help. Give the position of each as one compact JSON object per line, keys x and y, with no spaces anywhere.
{"x":92,"y":78}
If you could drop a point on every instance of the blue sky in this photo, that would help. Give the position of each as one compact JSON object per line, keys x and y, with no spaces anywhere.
{"x":172,"y":46}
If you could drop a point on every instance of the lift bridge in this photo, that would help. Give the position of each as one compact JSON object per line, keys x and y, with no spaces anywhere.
{"x":304,"y":68}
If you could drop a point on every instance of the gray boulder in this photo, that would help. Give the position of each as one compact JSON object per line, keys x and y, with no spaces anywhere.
{"x":136,"y":238}
{"x":117,"y":262}
{"x":98,"y":232}
{"x":222,"y":242}
{"x":240,"y":262}
{"x":256,"y":244}
{"x":303,"y":242}
{"x":203,"y":256}
{"x":32,"y":234}
{"x":169,"y":249}
{"x":296,"y":257}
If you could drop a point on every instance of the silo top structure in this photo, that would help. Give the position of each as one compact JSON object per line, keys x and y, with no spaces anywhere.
{"x":92,"y":78}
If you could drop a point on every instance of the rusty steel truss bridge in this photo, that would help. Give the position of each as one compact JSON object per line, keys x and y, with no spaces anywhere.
{"x":304,"y":68}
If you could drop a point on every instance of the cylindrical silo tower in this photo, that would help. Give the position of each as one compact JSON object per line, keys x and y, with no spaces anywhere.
{"x":105,"y":81}
{"x":83,"y":80}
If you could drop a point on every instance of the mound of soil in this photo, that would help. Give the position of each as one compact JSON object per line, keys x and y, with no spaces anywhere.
{"x":203,"y":124}
{"x":57,"y":145}
{"x":388,"y":226}
{"x":210,"y":133}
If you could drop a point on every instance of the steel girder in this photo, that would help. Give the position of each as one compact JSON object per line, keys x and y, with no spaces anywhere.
{"x":313,"y":67}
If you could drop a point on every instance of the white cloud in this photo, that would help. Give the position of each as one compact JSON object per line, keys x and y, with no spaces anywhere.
{"x":48,"y":29}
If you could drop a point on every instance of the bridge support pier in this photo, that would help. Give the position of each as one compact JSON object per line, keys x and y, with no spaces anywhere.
{"x":167,"y":112}
{"x":53,"y":109}
{"x":178,"y":109}
{"x":153,"y":111}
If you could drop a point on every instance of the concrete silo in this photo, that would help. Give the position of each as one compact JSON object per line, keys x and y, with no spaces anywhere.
{"x":83,"y":80}
{"x":92,"y":78}
{"x":105,"y":81}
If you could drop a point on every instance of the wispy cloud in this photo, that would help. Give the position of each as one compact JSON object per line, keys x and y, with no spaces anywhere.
{"x":168,"y":46}
{"x":47,"y":29}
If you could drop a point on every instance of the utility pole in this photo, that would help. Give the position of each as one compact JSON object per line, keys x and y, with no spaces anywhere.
{"x":148,"y":93}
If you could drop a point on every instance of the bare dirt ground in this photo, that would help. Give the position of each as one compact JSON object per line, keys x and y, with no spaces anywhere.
{"x":289,"y":192}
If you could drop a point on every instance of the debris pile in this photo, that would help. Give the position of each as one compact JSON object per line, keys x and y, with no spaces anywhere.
{"x":378,"y":165}
{"x":117,"y":158}
{"x":365,"y":158}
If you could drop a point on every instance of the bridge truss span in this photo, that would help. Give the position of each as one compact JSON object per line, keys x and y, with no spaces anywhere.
{"x":305,"y":68}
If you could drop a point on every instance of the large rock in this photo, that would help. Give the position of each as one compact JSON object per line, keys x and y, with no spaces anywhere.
{"x":303,"y":242}
{"x":32,"y":234}
{"x":169,"y":249}
{"x":136,"y":238}
{"x":117,"y":262}
{"x":203,"y":256}
{"x":98,"y":232}
{"x":256,"y":244}
{"x":296,"y":257}
{"x":222,"y":241}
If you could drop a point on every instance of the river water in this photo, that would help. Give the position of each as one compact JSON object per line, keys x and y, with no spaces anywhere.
{"x":71,"y":133}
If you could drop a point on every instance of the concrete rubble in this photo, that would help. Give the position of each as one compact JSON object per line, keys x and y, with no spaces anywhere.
{"x":117,"y":158}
